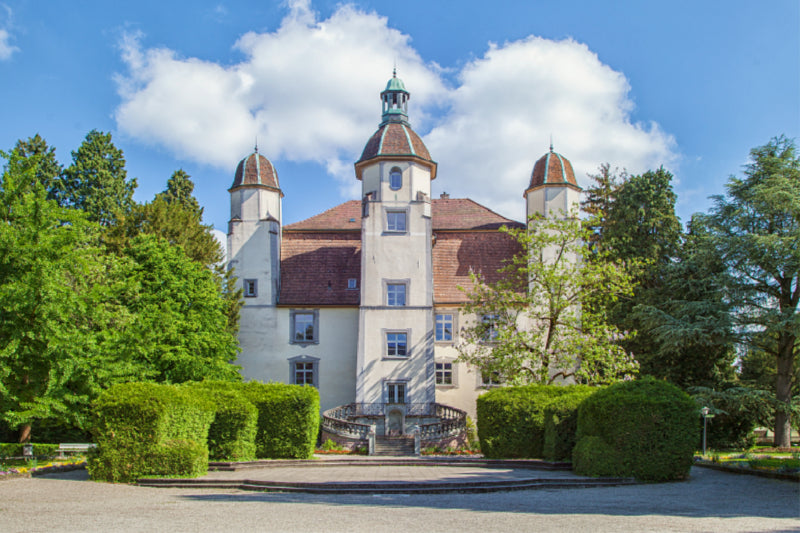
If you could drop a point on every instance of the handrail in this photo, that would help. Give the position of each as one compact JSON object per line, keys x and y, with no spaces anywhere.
{"x":451,"y":421}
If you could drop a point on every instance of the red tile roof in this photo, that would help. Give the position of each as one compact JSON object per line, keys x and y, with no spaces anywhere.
{"x":256,"y":169}
{"x":448,"y":214}
{"x":456,"y":253}
{"x":319,"y":254}
{"x":395,"y":138}
{"x":552,"y":168}
{"x":315,"y":268}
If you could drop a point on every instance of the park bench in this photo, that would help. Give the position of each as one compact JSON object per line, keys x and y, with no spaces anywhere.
{"x":74,"y":447}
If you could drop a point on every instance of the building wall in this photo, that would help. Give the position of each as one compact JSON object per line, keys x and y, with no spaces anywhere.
{"x":264,"y":338}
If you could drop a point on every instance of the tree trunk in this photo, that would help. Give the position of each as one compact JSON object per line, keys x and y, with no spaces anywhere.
{"x":783,"y":391}
{"x":24,"y":433}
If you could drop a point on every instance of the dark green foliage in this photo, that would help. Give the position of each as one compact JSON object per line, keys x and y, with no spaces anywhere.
{"x":511,"y":420}
{"x":232,"y":434}
{"x":755,"y":229}
{"x":179,"y":191}
{"x":288,"y":419}
{"x":561,"y":423}
{"x":737,"y":412}
{"x":96,"y":181}
{"x":646,"y":429}
{"x":14,"y":449}
{"x":140,"y":429}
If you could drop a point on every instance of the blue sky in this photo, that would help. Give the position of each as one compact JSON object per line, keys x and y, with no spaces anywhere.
{"x":691,"y":85}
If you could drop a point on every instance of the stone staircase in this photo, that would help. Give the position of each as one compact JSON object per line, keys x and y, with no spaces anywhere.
{"x":394,"y":446}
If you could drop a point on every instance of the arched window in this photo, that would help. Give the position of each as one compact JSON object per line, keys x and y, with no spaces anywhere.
{"x":395,"y":179}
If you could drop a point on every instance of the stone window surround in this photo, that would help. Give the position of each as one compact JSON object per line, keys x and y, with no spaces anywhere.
{"x":395,"y":171}
{"x":387,"y":282}
{"x":386,"y":212}
{"x":292,"y":314}
{"x":304,"y":359}
{"x":389,"y":382}
{"x":453,"y":373}
{"x":385,"y":334}
{"x":454,"y":325}
{"x":250,"y":288}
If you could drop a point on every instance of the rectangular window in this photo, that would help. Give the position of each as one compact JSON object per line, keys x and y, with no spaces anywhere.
{"x":352,"y":283}
{"x":304,"y":374}
{"x":444,"y":327}
{"x":250,"y":287}
{"x":396,"y":294}
{"x":304,"y":370}
{"x":304,"y":327}
{"x":444,"y":373}
{"x":396,"y":344}
{"x":396,"y":392}
{"x":490,"y":327}
{"x":490,"y":378}
{"x":396,"y":221}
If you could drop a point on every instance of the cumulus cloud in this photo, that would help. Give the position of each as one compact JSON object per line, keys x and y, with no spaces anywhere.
{"x":309,"y":92}
{"x":510,"y":101}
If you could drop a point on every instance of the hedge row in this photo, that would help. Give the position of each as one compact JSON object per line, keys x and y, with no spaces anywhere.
{"x":512,"y":421}
{"x":561,"y":423}
{"x":145,"y":429}
{"x":14,"y":449}
{"x":646,"y":429}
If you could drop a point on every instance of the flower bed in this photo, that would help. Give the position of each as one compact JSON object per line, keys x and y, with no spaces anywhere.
{"x":11,"y":471}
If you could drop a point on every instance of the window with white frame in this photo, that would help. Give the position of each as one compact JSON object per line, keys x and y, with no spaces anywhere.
{"x":395,"y":179}
{"x":304,"y":370}
{"x":304,"y":326}
{"x":396,"y":294}
{"x":396,"y":221}
{"x":352,"y":283}
{"x":444,"y":327}
{"x":250,"y":288}
{"x":395,"y":393}
{"x":444,"y":374}
{"x":396,"y":344}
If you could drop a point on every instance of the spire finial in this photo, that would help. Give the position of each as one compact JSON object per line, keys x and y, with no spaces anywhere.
{"x":256,"y":143}
{"x":551,"y":142}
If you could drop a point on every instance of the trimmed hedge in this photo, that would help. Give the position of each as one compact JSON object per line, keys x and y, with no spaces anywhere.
{"x":646,"y":429}
{"x":146,"y":429}
{"x":14,"y":449}
{"x":511,"y":419}
{"x":232,"y":434}
{"x":561,"y":423}
{"x":288,"y":419}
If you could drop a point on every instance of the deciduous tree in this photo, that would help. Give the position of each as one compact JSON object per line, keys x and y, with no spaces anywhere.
{"x":546,"y":319}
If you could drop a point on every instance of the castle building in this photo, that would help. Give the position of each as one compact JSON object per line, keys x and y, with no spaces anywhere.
{"x":363,"y":301}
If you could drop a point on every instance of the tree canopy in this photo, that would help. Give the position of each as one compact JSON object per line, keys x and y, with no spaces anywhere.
{"x":755,"y":230}
{"x":546,"y":319}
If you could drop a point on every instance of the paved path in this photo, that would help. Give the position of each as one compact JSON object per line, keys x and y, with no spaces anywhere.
{"x":709,"y":501}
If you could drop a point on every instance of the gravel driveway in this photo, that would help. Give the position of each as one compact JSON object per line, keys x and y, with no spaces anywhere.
{"x":709,"y":501}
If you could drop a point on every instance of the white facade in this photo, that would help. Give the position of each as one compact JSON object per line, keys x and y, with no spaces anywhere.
{"x":360,"y":301}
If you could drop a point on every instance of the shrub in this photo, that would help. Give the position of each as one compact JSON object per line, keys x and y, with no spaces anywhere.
{"x":561,"y":423}
{"x":14,"y":449}
{"x":145,"y":429}
{"x":511,"y":419}
{"x":232,"y":434}
{"x":646,"y":429}
{"x":288,"y":419}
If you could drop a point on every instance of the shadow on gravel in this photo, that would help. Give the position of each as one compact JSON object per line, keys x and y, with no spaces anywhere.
{"x":706,"y":494}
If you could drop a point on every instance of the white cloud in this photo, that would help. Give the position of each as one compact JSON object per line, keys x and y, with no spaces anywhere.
{"x":509,"y":103}
{"x":6,"y":48}
{"x":309,"y":92}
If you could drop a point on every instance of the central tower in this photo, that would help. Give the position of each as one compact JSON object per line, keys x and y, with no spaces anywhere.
{"x":395,"y":363}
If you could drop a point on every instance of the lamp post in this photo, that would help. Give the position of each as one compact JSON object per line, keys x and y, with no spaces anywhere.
{"x":704,"y":411}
